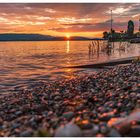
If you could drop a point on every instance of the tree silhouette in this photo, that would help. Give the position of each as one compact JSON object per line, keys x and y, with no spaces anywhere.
{"x":105,"y":34}
{"x":130,"y":28}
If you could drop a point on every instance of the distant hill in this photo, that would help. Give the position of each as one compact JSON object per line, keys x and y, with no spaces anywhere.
{"x":37,"y":37}
{"x":24,"y":37}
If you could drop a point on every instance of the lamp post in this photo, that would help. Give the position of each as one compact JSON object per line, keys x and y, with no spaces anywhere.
{"x":111,"y":30}
{"x":139,"y":28}
{"x":111,"y":22}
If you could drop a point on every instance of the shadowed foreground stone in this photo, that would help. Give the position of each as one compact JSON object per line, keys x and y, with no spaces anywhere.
{"x":68,"y":130}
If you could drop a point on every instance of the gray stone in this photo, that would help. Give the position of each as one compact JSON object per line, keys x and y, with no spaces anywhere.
{"x":25,"y":134}
{"x":18,"y":113}
{"x":68,"y":115}
{"x":68,"y":130}
{"x":113,"y":133}
{"x":103,"y":130}
{"x":135,"y":131}
{"x":15,"y":125}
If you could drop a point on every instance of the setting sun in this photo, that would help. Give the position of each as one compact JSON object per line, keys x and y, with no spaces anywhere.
{"x":67,"y":36}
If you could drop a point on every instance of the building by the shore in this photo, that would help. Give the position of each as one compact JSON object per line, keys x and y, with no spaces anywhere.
{"x":138,"y":34}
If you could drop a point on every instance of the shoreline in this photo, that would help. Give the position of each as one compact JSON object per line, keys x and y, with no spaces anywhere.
{"x":91,"y":105}
{"x":114,"y":62}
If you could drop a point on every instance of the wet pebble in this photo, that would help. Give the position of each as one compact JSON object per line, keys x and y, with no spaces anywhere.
{"x":87,"y":126}
{"x":104,"y":129}
{"x":135,"y":131}
{"x":113,"y":133}
{"x":105,"y":117}
{"x":57,"y":98}
{"x":68,"y":115}
{"x":26,"y":134}
{"x":1,"y":120}
{"x":122,"y":125}
{"x":80,"y":107}
{"x":18,"y":113}
{"x":15,"y":125}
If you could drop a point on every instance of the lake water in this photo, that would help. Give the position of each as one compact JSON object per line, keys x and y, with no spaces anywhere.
{"x":24,"y":63}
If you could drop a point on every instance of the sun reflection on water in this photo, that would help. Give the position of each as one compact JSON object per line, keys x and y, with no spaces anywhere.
{"x":68,"y":46}
{"x":68,"y":70}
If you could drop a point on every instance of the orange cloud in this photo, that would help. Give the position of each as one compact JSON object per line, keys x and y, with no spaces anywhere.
{"x":58,"y":19}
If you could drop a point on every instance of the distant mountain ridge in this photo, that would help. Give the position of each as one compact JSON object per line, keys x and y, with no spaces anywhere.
{"x":37,"y":37}
{"x":24,"y":37}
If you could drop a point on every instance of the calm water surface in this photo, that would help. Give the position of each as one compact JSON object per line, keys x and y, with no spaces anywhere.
{"x":24,"y":63}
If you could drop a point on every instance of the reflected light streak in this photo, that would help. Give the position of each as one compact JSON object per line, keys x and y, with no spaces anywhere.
{"x":68,"y":46}
{"x":68,"y":70}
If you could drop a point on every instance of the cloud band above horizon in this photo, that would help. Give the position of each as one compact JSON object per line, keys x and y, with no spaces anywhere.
{"x":88,"y":19}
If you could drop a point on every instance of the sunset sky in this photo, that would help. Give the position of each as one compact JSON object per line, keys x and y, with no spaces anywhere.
{"x":88,"y":20}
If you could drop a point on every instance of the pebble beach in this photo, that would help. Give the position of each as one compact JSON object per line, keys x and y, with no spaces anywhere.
{"x":103,"y":104}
